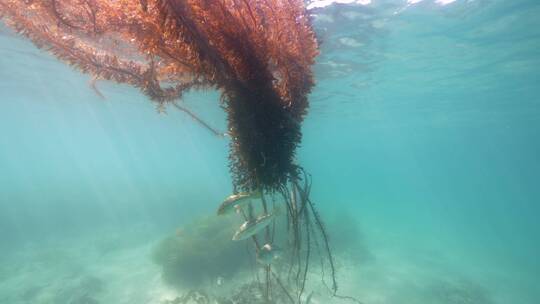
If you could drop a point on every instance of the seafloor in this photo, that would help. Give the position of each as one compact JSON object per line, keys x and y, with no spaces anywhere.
{"x":115,"y":266}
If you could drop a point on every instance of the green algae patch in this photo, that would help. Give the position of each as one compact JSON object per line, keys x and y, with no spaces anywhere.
{"x":201,"y":252}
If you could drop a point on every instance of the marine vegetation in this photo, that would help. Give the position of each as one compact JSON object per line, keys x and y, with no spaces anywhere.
{"x":200,"y":252}
{"x":257,"y":53}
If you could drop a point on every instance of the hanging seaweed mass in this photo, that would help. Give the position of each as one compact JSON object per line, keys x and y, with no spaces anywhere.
{"x":257,"y":53}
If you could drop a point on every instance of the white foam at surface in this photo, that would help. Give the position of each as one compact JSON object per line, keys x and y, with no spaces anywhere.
{"x":324,"y":3}
{"x":440,"y":2}
{"x":351,"y":42}
{"x":444,"y":2}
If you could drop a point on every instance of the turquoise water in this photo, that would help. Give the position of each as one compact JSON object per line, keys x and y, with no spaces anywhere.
{"x":423,"y":133}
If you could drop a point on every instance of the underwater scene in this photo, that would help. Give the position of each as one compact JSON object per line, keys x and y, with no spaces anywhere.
{"x":252,"y":151}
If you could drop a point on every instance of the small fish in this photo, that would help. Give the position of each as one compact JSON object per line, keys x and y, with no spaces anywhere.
{"x":268,"y":253}
{"x":236,"y":201}
{"x":250,"y":228}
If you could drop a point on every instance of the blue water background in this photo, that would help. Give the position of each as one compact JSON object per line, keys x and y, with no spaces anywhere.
{"x":424,"y":127}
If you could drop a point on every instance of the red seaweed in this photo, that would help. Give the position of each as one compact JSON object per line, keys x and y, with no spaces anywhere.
{"x":258,"y":54}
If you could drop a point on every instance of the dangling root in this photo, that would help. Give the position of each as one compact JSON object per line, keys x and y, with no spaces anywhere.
{"x":199,"y":120}
{"x":326,"y":244}
{"x":304,"y":227}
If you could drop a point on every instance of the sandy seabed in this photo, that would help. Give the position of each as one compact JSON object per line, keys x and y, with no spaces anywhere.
{"x":116,"y":267}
